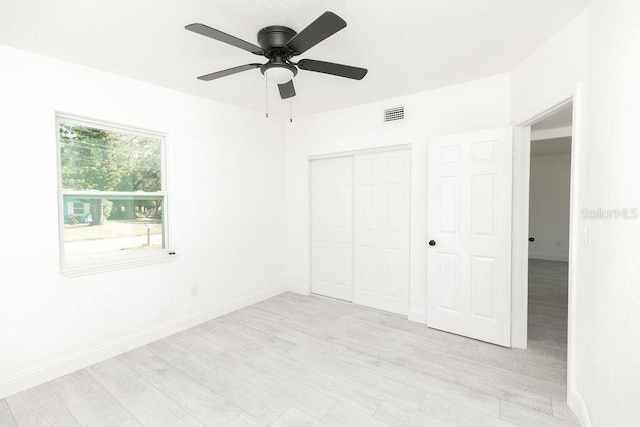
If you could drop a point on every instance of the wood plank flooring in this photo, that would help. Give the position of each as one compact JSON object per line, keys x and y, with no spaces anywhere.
{"x":294,"y":360}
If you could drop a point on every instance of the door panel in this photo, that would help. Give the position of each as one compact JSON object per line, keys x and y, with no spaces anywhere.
{"x":469,"y":218}
{"x":447,"y":271}
{"x":393,"y":272}
{"x":447,"y":199}
{"x":381,"y":230}
{"x":332,"y":227}
{"x":367,"y":267}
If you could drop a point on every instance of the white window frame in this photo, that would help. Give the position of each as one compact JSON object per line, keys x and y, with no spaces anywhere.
{"x":117,"y":262}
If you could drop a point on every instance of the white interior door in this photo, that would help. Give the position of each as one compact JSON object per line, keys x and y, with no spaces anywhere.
{"x":381,"y":230}
{"x":469,"y":226}
{"x":332,"y":227}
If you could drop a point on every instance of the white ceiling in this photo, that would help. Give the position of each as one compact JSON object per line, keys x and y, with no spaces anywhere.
{"x":408,"y":46}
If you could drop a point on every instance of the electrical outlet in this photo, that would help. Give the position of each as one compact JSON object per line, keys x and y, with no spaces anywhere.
{"x":194,"y":291}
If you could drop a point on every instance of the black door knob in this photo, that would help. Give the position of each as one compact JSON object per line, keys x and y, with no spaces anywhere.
{"x":432,"y":242}
{"x":531,"y":239}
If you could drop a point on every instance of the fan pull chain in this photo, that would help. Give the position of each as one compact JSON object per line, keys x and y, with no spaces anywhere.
{"x":266,"y":94}
{"x":290,"y":110}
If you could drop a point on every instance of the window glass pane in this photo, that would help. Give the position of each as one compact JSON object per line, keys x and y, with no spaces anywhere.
{"x":78,"y":208}
{"x":106,"y":160}
{"x":128,"y":225}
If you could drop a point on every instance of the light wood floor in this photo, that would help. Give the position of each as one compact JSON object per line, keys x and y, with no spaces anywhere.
{"x":294,"y":360}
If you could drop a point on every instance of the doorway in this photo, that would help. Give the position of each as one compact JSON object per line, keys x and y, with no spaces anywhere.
{"x":521,"y":244}
{"x":548,"y":247}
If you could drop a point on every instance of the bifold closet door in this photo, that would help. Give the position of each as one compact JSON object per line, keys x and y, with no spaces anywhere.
{"x":381,"y":230}
{"x":332,"y":227}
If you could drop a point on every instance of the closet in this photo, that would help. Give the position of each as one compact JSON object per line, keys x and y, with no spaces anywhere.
{"x":360,"y":225}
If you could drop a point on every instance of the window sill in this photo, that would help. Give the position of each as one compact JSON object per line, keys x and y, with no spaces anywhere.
{"x":77,"y":271}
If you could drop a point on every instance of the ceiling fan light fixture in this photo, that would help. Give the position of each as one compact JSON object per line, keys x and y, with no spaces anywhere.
{"x":279,"y":75}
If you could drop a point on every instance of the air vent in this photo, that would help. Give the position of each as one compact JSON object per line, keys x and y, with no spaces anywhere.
{"x":393,"y":114}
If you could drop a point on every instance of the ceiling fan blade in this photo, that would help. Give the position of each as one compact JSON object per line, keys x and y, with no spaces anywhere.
{"x":228,"y":72}
{"x":224,"y":37}
{"x":331,"y":68}
{"x":326,"y":25}
{"x":287,"y":90}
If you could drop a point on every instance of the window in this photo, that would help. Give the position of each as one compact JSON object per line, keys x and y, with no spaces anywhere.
{"x":80,"y":208}
{"x":112,"y":196}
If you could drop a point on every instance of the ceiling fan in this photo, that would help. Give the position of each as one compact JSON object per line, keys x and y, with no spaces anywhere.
{"x":279,"y":44}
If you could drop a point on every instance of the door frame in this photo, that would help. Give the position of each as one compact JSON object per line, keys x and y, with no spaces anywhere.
{"x":520,"y":250}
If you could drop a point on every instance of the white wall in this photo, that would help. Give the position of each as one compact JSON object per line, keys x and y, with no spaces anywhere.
{"x":227,"y":219}
{"x":549,"y":75}
{"x":608,"y":313}
{"x":464,"y":107}
{"x":549,"y":187}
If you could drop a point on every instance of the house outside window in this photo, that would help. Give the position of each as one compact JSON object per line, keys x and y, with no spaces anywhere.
{"x":112,"y":195}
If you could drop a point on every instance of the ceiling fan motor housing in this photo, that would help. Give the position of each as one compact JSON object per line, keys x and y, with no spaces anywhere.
{"x":273,"y":40}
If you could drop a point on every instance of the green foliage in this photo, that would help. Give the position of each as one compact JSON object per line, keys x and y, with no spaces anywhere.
{"x":107,"y":207}
{"x":71,"y":219}
{"x":97,"y":159}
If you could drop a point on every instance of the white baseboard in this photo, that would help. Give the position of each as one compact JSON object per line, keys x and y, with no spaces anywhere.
{"x":577,"y":405}
{"x":302,"y":290}
{"x":549,"y":257}
{"x":57,"y":368}
{"x":417,"y":315}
